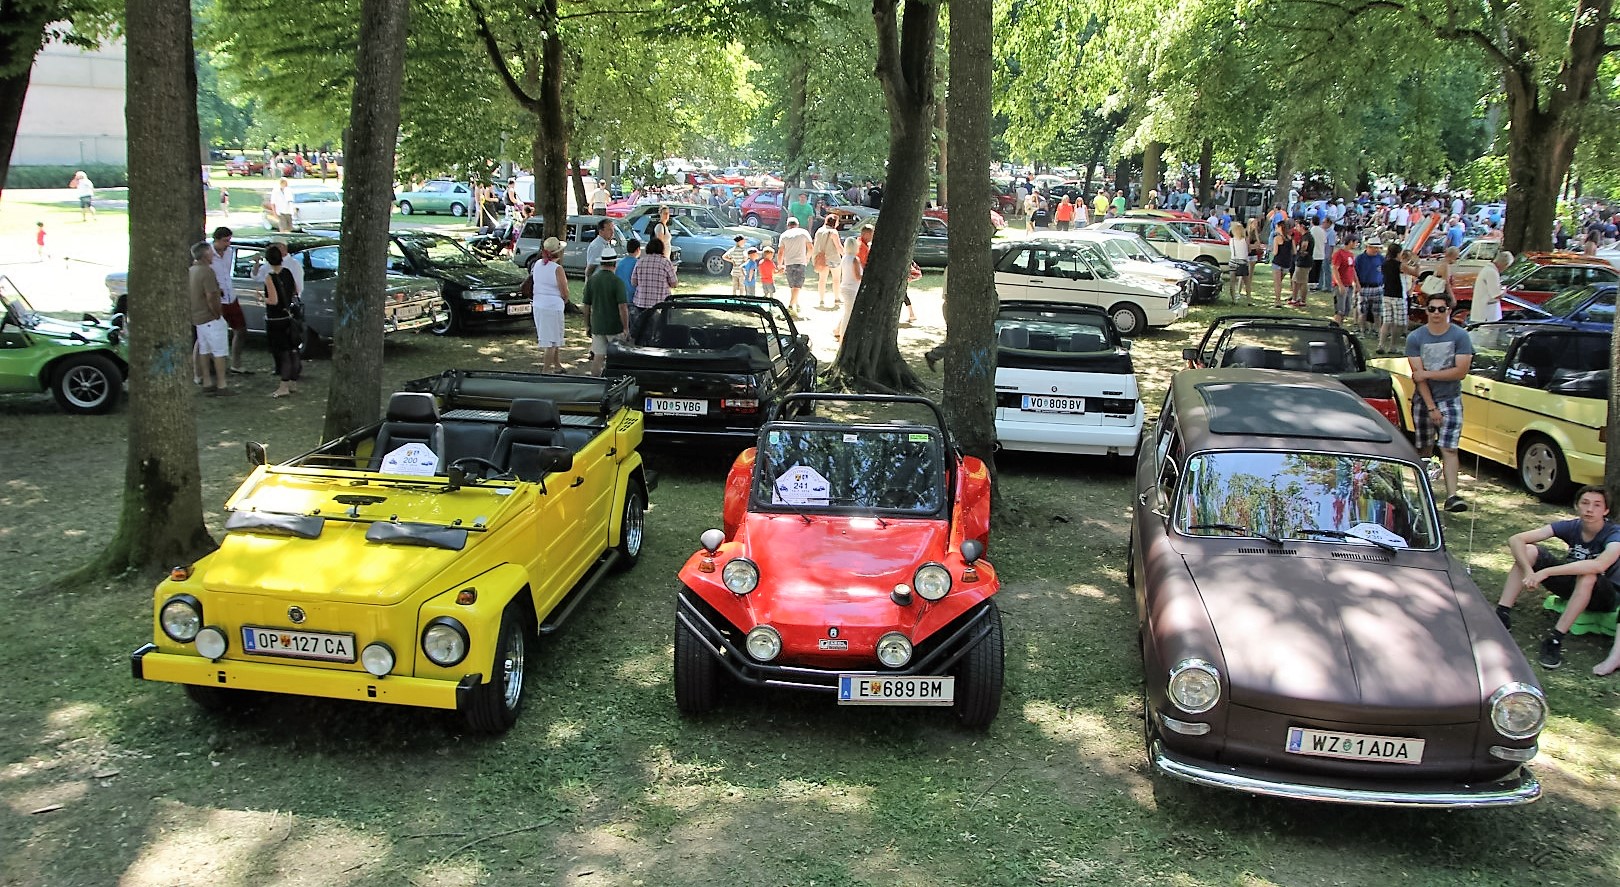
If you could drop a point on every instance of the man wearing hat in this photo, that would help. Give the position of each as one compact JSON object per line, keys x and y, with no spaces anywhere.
{"x":607,"y":308}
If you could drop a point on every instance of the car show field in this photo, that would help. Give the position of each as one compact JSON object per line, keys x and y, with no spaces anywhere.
{"x":110,"y":780}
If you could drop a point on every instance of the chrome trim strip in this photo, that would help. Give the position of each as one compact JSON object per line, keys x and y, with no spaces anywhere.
{"x":1524,"y":791}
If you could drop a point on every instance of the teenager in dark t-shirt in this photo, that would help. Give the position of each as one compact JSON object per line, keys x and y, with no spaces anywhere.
{"x":1585,"y":577}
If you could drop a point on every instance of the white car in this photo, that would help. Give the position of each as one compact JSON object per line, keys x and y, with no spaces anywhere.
{"x":1177,"y":238}
{"x":1064,"y":381}
{"x":1129,"y":254}
{"x":312,"y":205}
{"x":1075,"y":272}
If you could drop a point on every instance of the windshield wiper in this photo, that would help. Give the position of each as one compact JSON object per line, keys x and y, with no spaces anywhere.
{"x":1340,"y":534}
{"x":1238,"y":528}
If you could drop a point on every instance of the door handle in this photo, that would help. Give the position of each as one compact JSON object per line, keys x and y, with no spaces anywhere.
{"x":578,"y":481}
{"x":612,"y":451}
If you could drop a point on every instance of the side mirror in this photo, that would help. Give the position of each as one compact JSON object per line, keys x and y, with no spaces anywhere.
{"x":972,"y":550}
{"x":711,"y":539}
{"x":1189,"y":354}
{"x":1125,"y":343}
{"x":256,"y":454}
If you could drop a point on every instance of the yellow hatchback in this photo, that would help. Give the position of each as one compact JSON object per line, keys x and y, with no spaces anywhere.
{"x":1536,"y":400}
{"x":411,"y":562}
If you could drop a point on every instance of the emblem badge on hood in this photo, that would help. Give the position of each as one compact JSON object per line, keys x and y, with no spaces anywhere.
{"x":296,"y":614}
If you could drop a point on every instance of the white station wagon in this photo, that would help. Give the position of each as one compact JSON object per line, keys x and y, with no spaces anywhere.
{"x":1064,"y":381}
{"x":1076,"y":272}
{"x":1187,"y":239}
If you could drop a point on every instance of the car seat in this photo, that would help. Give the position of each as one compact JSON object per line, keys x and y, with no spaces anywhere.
{"x":412,"y":417}
{"x":1252,"y":356}
{"x":528,"y":444}
{"x":675,"y":335}
{"x":1013,"y":337}
{"x":1083,"y":342}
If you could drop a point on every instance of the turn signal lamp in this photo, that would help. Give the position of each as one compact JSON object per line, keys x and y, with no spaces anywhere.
{"x":467,"y":596}
{"x":180,"y":573}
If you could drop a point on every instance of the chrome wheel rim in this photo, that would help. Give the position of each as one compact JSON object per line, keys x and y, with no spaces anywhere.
{"x":632,"y":525}
{"x":513,"y":666}
{"x":86,"y":386}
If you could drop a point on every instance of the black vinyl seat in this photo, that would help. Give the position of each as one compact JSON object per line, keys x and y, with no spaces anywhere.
{"x":413,"y":417}
{"x":532,"y":438}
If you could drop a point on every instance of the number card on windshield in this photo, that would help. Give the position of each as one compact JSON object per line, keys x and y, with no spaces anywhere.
{"x":800,"y":485}
{"x":413,"y":459}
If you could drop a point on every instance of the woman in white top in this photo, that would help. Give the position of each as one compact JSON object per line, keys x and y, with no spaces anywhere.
{"x":825,"y":255}
{"x":1240,"y":278}
{"x":550,"y":297}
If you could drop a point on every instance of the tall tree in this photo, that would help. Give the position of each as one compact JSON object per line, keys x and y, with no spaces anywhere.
{"x":536,"y":83}
{"x":161,"y":522}
{"x":970,"y":351}
{"x":368,"y":194}
{"x":25,"y":27}
{"x":869,"y":356}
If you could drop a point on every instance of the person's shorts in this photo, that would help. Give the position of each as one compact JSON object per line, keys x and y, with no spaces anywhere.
{"x":232,"y":312}
{"x":284,"y":221}
{"x":1371,"y":298}
{"x":599,"y":344}
{"x":1604,"y":599}
{"x":1343,"y":300}
{"x":1305,"y":266}
{"x":1240,"y":269}
{"x":85,"y":201}
{"x":1392,"y":309}
{"x":1449,"y":431}
{"x":769,"y":289}
{"x":213,"y":338}
{"x":795,"y":276}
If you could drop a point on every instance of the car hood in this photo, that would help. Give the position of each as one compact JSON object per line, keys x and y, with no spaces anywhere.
{"x":485,"y":277}
{"x":760,"y":234}
{"x":1316,"y":635}
{"x":340,"y":566}
{"x":73,"y":332}
{"x":835,"y":566}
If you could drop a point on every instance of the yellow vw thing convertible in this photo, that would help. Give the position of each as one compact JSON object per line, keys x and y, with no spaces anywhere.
{"x":411,"y":562}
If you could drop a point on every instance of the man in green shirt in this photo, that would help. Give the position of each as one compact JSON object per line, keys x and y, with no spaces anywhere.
{"x":1120,"y":203}
{"x":802,"y":210}
{"x":607,"y":308}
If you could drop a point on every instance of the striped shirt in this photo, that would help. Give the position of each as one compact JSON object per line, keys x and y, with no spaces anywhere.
{"x":652,"y":280}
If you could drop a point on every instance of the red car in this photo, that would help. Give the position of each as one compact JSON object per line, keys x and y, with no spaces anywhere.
{"x":850,"y":563}
{"x":1535,"y":278}
{"x":241,"y":166}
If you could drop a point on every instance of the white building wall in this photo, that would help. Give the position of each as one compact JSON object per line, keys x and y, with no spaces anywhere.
{"x":74,"y":112}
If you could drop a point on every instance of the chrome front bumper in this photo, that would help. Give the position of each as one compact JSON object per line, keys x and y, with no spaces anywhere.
{"x":1507,"y":793}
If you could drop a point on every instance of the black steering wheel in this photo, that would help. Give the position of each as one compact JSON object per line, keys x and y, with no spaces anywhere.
{"x":492,"y":472}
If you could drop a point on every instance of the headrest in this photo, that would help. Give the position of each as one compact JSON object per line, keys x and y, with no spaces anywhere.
{"x":533,"y":412}
{"x":1014,"y":337}
{"x":412,"y":406}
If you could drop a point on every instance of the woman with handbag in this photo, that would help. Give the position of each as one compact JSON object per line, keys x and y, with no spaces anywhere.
{"x":825,"y":255}
{"x":281,"y":322}
{"x":550,"y":299}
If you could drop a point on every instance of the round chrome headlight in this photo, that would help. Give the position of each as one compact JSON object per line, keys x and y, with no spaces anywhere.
{"x":378,"y":659}
{"x":894,"y":649}
{"x":211,"y":643}
{"x":445,"y":641}
{"x":763,"y":643}
{"x":1518,"y":711}
{"x":181,"y":618}
{"x":1195,"y":686}
{"x":932,"y":581}
{"x":740,"y":575}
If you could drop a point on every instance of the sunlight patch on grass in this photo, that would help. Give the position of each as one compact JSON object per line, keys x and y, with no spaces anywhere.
{"x":650,"y":669}
{"x":453,"y":873}
{"x":1093,"y":591}
{"x":1096,"y":743}
{"x":1581,"y":751}
{"x":834,"y":797}
{"x":28,"y":800}
{"x":564,"y":733}
{"x":195,"y":845}
{"x":72,"y":715}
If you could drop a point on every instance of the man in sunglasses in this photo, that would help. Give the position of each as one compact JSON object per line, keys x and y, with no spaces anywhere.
{"x":1440,"y":355}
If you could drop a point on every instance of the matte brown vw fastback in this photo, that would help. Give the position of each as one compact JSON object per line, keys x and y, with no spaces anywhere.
{"x":1304,"y":632}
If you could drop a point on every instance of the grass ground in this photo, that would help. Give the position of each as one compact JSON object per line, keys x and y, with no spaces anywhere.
{"x":104,"y":780}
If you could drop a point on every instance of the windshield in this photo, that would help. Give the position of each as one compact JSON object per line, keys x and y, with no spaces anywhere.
{"x":702,"y":219}
{"x":680,"y":225}
{"x":440,"y":251}
{"x":1565,"y":303}
{"x":1289,"y":495}
{"x":1052,"y":332}
{"x":18,"y":311}
{"x":1100,"y":265}
{"x":1518,"y":271}
{"x":854,"y":467}
{"x":1147,"y":249}
{"x":1308,"y":350}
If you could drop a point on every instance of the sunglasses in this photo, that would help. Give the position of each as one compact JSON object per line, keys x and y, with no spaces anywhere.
{"x":1437,"y":309}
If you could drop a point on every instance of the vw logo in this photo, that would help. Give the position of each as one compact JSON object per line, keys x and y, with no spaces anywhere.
{"x":832,"y":631}
{"x":296,"y":614}
{"x":1054,"y":389}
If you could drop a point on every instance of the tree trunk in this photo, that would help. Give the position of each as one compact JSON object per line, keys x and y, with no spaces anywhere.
{"x":22,"y":34}
{"x":970,"y":351}
{"x":798,"y":96}
{"x":942,"y":167}
{"x":1206,"y":172}
{"x":576,"y":177}
{"x":870,"y":354}
{"x":355,"y":393}
{"x":161,"y":522}
{"x":1152,"y":169}
{"x":542,"y":72}
{"x":1285,"y":177}
{"x":1122,"y":179}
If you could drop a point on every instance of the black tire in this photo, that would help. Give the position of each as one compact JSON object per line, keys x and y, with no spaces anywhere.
{"x":697,"y":675}
{"x":1130,"y":319}
{"x":404,"y":207}
{"x":457,"y":210}
{"x":222,"y":700}
{"x":752,"y":221}
{"x":495,"y":704}
{"x":715,"y":263}
{"x":979,"y":676}
{"x":1130,"y":562}
{"x":632,"y":527}
{"x":1210,"y":261}
{"x":1543,"y":471}
{"x":451,"y":325}
{"x":87,"y":384}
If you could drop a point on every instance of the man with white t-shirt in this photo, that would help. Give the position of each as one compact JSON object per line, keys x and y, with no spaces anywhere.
{"x":793,"y":251}
{"x":281,"y":206}
{"x":1488,"y":289}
